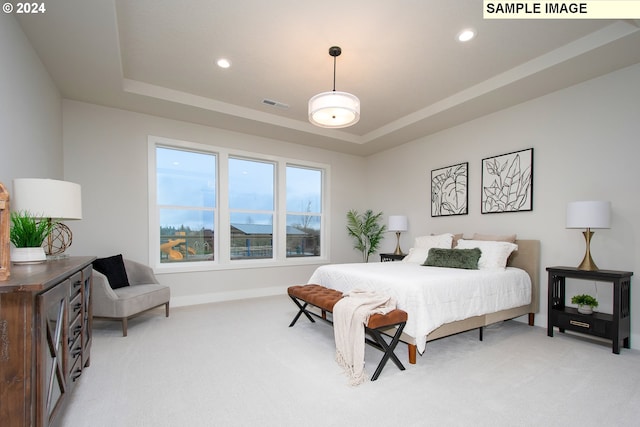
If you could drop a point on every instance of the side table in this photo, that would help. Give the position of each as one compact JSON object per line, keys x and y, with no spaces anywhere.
{"x":391,"y":257}
{"x":615,"y":326}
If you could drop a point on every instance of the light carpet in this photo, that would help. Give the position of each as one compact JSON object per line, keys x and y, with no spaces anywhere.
{"x":239,"y":364}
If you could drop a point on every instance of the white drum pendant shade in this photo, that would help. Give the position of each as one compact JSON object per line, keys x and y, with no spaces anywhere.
{"x":334,"y":109}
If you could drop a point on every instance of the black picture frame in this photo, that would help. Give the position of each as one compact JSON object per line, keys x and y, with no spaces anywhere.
{"x":449,"y":190}
{"x":507,"y":182}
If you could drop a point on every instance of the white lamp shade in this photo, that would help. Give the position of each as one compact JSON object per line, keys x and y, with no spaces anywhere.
{"x":397,"y":223}
{"x":47,"y":198}
{"x":589,"y":214}
{"x":334,"y":109}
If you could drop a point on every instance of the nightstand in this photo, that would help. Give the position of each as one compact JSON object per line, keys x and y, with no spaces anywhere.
{"x":391,"y":257}
{"x":615,"y":327}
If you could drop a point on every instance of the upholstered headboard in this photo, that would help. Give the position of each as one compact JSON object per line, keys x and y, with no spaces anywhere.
{"x":527,"y":257}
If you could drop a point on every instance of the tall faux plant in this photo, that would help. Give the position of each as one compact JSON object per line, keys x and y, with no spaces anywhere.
{"x":366,"y":231}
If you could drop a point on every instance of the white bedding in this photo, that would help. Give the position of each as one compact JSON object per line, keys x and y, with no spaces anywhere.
{"x":432,"y":296}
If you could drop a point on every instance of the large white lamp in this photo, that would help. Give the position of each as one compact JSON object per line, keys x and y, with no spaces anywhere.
{"x":50,"y":199}
{"x":397,"y":223}
{"x":588,"y":214}
{"x":334,"y":109}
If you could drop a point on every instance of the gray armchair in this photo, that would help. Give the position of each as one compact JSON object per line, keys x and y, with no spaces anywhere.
{"x":143,"y":293}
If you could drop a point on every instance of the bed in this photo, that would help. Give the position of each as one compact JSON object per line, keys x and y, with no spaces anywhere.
{"x":445,"y":301}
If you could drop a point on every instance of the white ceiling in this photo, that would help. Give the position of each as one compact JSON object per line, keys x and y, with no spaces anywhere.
{"x":399,"y":57}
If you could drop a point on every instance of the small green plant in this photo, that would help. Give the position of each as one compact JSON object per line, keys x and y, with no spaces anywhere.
{"x":366,"y":231}
{"x":27,"y":231}
{"x":584,"y":300}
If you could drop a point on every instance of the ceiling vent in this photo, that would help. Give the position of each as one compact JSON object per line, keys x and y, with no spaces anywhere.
{"x":273,"y":103}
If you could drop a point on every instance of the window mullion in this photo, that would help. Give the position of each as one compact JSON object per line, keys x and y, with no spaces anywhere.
{"x":224,"y":221}
{"x":281,"y":210}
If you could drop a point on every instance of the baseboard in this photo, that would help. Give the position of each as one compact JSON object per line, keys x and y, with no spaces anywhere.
{"x":187,"y":300}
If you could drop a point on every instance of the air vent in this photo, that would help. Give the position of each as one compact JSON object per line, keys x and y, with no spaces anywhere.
{"x":273,"y":103}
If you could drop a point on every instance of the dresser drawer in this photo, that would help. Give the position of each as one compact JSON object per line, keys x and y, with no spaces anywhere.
{"x":75,"y":371}
{"x":75,"y":307}
{"x":76,"y":285}
{"x":75,"y":331}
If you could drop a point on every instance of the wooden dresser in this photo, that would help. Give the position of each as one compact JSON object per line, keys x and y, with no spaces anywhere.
{"x":45,"y":338}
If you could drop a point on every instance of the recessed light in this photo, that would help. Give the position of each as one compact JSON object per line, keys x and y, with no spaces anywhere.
{"x":466,"y":35}
{"x":223,"y":63}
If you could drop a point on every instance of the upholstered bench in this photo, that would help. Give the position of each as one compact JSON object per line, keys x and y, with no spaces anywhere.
{"x":325,"y":299}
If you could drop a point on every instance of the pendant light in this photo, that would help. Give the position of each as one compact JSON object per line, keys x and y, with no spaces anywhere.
{"x":334,"y":109}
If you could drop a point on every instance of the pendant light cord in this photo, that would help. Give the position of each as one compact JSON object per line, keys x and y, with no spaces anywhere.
{"x":334,"y":73}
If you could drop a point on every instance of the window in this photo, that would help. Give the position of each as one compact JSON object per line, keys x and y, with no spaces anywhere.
{"x":213,"y":207}
{"x":304,"y":209}
{"x":251,"y":208}
{"x":186,"y":203}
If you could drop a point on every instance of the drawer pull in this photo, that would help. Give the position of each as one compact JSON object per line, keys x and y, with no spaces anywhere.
{"x":581,"y":324}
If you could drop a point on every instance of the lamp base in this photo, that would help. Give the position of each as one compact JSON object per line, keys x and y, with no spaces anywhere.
{"x":398,"y":250}
{"x":587,"y":263}
{"x":58,"y":240}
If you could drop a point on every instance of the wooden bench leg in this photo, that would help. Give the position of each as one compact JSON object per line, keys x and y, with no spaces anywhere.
{"x":124,"y":326}
{"x":166,"y":309}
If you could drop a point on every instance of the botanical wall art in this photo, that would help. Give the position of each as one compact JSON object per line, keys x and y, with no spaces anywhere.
{"x":449,"y":190}
{"x":507,"y":182}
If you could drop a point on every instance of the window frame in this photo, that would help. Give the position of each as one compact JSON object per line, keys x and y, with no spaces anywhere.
{"x":222,"y":241}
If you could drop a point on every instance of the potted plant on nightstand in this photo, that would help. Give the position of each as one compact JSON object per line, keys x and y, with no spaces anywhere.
{"x":586,"y":303}
{"x":27,"y":235}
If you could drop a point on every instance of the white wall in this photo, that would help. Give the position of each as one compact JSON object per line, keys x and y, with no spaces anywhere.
{"x":30,"y":111}
{"x":586,"y":142}
{"x":106,"y":152}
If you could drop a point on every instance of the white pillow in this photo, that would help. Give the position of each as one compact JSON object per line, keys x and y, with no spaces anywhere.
{"x":440,"y":241}
{"x":416,"y":255}
{"x":420,"y":250}
{"x":494,"y":254}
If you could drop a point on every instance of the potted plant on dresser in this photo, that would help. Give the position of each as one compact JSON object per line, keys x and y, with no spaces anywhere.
{"x":27,"y":235}
{"x":586,"y":303}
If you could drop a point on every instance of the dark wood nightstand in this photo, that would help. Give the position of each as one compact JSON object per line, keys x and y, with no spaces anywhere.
{"x":615,"y":327}
{"x":391,"y":257}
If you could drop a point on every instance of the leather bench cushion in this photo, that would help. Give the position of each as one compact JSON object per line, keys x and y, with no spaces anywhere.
{"x":317,"y":295}
{"x":326,"y":299}
{"x":391,"y":318}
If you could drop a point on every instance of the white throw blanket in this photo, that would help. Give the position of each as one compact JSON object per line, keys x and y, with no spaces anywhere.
{"x":350,"y":315}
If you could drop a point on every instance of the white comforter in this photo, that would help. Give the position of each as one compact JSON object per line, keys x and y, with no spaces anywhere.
{"x":432,"y":296}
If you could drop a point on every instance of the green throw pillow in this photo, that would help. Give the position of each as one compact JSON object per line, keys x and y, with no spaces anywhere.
{"x":454,"y":258}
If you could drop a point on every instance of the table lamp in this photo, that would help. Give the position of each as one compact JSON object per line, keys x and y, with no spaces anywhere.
{"x":588,"y":214}
{"x":398,"y":223}
{"x":51,"y":200}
